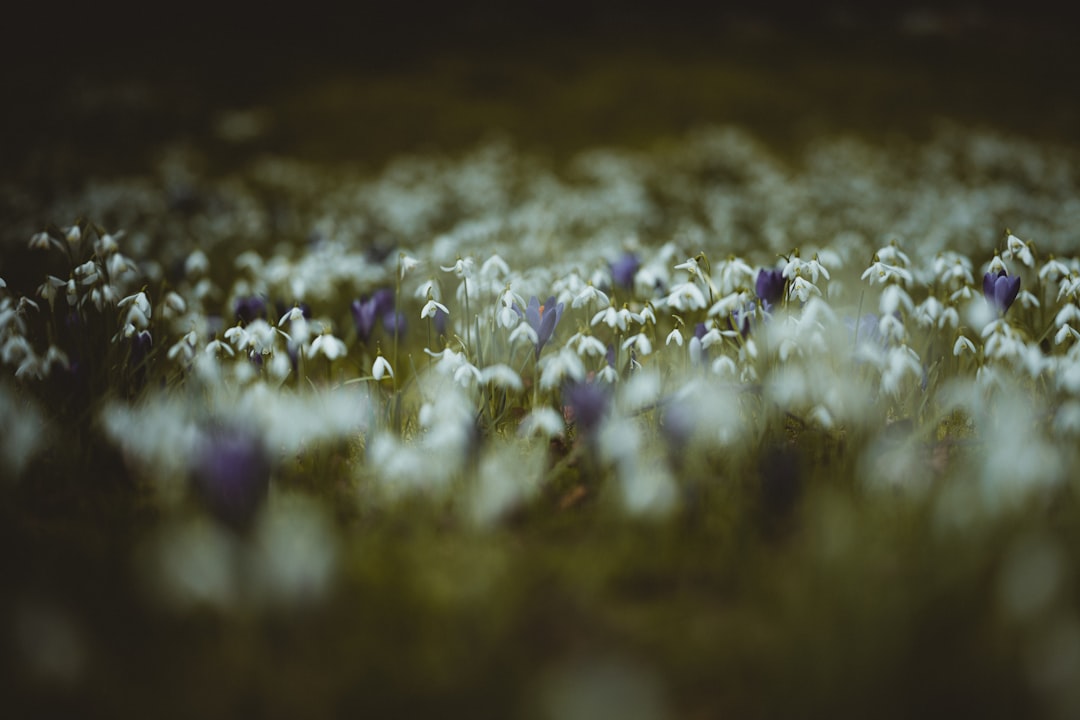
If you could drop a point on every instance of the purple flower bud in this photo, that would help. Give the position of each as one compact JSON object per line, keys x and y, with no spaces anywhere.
{"x":363,"y":312}
{"x":1000,"y":290}
{"x":770,"y":287}
{"x":395,"y":323}
{"x":589,"y":403}
{"x":231,"y":474}
{"x":249,"y":308}
{"x":624,"y":269}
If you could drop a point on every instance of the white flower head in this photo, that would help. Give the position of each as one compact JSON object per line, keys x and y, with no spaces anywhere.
{"x":381,"y":368}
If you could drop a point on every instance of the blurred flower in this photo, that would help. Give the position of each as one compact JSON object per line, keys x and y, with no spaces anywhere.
{"x":624,"y":269}
{"x":1000,"y":290}
{"x":231,"y":474}
{"x":588,"y":403}
{"x":249,"y":308}
{"x":367,"y":310}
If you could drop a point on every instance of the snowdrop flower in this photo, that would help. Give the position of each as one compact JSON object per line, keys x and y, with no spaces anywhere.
{"x":556,"y":369}
{"x":883,"y":273}
{"x":466,"y":374}
{"x":674,"y":336}
{"x":893,"y":298}
{"x":184,"y":348}
{"x":428,"y":289}
{"x":814,"y":268}
{"x":1020,"y":250}
{"x":502,"y":375}
{"x":692,"y":266}
{"x":587,"y":345}
{"x":901,"y":362}
{"x":197,"y":264}
{"x":173,"y":306}
{"x":963,"y":345}
{"x":407,"y":263}
{"x":88,"y":273}
{"x":138,"y":314}
{"x":614,"y":318}
{"x":381,"y":368}
{"x":1064,"y":333}
{"x":432,"y":308}
{"x":1068,"y":314}
{"x":893,"y":255}
{"x":952,"y":267}
{"x":542,"y":421}
{"x":494,"y":267}
{"x":462,"y":268}
{"x":330,"y":346}
{"x":686,"y":296}
{"x":1053,"y":270}
{"x":928,"y":311}
{"x":590,"y":294}
{"x":802,"y":289}
{"x":507,"y":316}
{"x":640,"y":342}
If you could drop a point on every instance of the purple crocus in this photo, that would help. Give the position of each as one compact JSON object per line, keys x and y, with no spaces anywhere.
{"x":588,"y":402}
{"x":770,"y":287}
{"x":1000,"y":290}
{"x":368,"y":310}
{"x":624,"y":270}
{"x":541,"y":318}
{"x":231,"y":474}
{"x":249,"y":309}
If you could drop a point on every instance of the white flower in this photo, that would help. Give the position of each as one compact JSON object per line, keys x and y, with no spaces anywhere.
{"x":543,"y":421}
{"x":674,"y":336}
{"x":524,"y":332}
{"x":893,"y":298}
{"x":502,"y":375}
{"x":802,"y":289}
{"x":138,"y":313}
{"x":590,"y":294}
{"x":330,"y":346}
{"x":613,"y":318}
{"x":686,"y":296}
{"x":1020,"y":250}
{"x":407,"y":263}
{"x":466,"y":374}
{"x":197,"y":264}
{"x":494,"y":267}
{"x":893,"y":255}
{"x":1053,"y":270}
{"x":587,"y":345}
{"x":880,"y":272}
{"x":88,"y":273}
{"x":184,"y":349}
{"x":1068,"y":314}
{"x":691,"y":266}
{"x":462,"y":268}
{"x":381,"y":368}
{"x":640,"y":342}
{"x":560,"y":366}
{"x":431,"y":308}
{"x":963,"y":345}
{"x":1065,"y":333}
